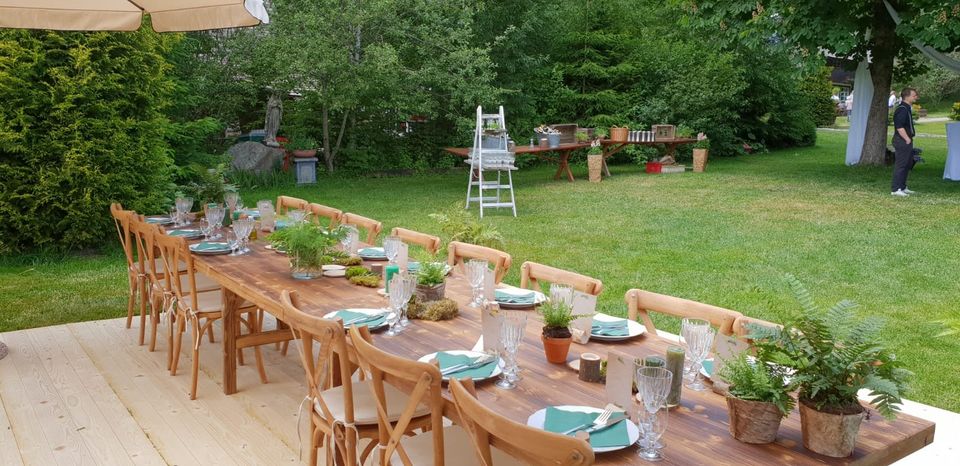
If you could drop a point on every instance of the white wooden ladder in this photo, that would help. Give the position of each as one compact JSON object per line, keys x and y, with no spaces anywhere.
{"x":490,"y":154}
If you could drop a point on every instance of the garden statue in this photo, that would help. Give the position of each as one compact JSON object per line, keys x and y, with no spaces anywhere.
{"x":272,"y":124}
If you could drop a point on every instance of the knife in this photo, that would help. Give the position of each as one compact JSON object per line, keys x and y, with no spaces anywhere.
{"x":482,"y":361}
{"x":362,"y":320}
{"x":613,"y":421}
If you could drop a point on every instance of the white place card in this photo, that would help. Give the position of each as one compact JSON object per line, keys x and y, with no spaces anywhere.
{"x":490,"y":320}
{"x":580,"y":329}
{"x":621,"y":369}
{"x":489,"y":286}
{"x":726,"y":347}
{"x":584,"y":303}
{"x":403,"y":256}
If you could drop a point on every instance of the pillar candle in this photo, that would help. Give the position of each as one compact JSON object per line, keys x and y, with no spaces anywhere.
{"x":675,"y":357}
{"x":589,"y":367}
{"x":388,"y":273}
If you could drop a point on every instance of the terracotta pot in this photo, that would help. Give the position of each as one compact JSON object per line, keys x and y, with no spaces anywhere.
{"x":304,"y":153}
{"x":700,"y":160}
{"x":431,"y":293}
{"x":556,"y":349}
{"x":829,"y":434}
{"x":753,"y":421}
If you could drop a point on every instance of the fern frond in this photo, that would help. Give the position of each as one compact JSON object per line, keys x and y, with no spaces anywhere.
{"x":802,"y":295}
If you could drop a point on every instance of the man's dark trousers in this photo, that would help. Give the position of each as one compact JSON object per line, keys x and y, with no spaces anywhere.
{"x":903,"y":163}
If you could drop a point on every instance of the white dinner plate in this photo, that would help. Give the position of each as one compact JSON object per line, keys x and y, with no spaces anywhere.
{"x":538,"y":297}
{"x":372,"y":257}
{"x":390,"y":315}
{"x":223,"y":248}
{"x":473,"y":354}
{"x":634,"y":328}
{"x":159,"y":220}
{"x":633,"y":433}
{"x":334,"y":270}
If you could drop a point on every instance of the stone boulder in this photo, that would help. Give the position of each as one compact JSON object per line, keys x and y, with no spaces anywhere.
{"x":255,"y":157}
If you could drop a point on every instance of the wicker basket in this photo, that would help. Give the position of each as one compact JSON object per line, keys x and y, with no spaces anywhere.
{"x":619,"y":134}
{"x":595,"y":166}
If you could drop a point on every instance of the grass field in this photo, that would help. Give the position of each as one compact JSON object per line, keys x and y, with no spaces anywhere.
{"x":725,"y":237}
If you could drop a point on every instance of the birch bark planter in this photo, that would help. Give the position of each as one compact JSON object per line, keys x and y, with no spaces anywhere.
{"x":431,"y":293}
{"x":700,"y":160}
{"x":829,"y":434}
{"x":556,"y":349}
{"x":753,"y":421}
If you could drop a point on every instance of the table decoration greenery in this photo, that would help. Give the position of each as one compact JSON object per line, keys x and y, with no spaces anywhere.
{"x":308,"y":245}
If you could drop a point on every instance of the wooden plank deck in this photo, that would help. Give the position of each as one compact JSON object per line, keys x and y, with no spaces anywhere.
{"x":86,"y":393}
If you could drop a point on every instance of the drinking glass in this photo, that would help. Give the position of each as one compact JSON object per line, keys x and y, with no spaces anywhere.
{"x":215,"y":217}
{"x":297,"y":215}
{"x":183,"y":205}
{"x":267,"y":215}
{"x":699,"y":339}
{"x":653,"y":383}
{"x":391,"y":247}
{"x":206,"y":228}
{"x":686,"y":327}
{"x":350,"y":233}
{"x":230,"y":198}
{"x":401,"y":289}
{"x":241,"y":229}
{"x":561,"y":293}
{"x":476,"y":273}
{"x":512,"y":327}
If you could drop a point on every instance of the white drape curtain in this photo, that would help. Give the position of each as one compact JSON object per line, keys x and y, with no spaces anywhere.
{"x":943,"y":59}
{"x":862,"y":95}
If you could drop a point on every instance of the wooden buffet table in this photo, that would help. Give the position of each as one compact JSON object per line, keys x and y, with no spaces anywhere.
{"x":564,"y":151}
{"x":697,"y":430}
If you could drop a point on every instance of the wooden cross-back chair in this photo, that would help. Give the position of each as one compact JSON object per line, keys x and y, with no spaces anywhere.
{"x":121,"y":218}
{"x":200,"y":308}
{"x":318,"y":211}
{"x":429,"y":243}
{"x":372,"y":226}
{"x":532,"y":273}
{"x":422,"y":382}
{"x":639,"y":302}
{"x":458,"y":253}
{"x":494,"y":436}
{"x":344,"y":411}
{"x":285,"y":203}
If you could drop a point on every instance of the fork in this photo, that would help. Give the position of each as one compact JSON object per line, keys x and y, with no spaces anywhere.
{"x":481,"y":361}
{"x":599,"y":421}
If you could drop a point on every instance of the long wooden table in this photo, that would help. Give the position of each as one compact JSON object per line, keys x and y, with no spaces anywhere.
{"x":697,"y":430}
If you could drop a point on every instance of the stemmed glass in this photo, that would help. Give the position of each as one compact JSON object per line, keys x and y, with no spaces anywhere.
{"x":653,"y":383}
{"x":391,"y":248}
{"x":350,"y":234}
{"x":476,"y":273}
{"x":561,"y":293}
{"x":267,"y":215}
{"x":206,"y":227}
{"x":215,"y":217}
{"x":231,"y":198}
{"x":698,"y":336}
{"x":512,"y":327}
{"x":241,"y":229}
{"x":297,"y":215}
{"x":183,"y":206}
{"x":401,"y":289}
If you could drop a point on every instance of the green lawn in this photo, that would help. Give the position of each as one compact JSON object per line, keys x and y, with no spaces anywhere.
{"x":725,"y":237}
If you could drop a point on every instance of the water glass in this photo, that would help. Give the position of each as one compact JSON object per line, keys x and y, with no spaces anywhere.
{"x":241,"y":229}
{"x":698,"y":336}
{"x":391,"y":248}
{"x":231,"y":198}
{"x":476,"y":274}
{"x":561,"y":294}
{"x":653,"y":383}
{"x":401,"y":289}
{"x":183,"y":205}
{"x":513,"y":324}
{"x":652,"y":426}
{"x":215,"y":217}
{"x":350,"y":234}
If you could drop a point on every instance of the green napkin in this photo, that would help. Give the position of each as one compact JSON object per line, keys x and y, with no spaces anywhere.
{"x":204,"y":246}
{"x":708,"y":366}
{"x":187,"y":233}
{"x":449,"y":360}
{"x":559,"y":420}
{"x":347,"y":316}
{"x":158,"y":220}
{"x":515,"y":297}
{"x":372,"y":252}
{"x":616,"y":328}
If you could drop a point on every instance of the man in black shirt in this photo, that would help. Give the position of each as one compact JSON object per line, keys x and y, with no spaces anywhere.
{"x":903,"y":133}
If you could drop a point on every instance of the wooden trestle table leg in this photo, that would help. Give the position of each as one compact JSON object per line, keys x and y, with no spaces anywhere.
{"x":231,"y":330}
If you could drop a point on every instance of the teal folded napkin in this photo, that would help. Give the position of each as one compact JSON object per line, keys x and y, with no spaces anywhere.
{"x":372,"y":252}
{"x":559,"y":420}
{"x":616,"y":328}
{"x":708,"y":367}
{"x":347,"y":316}
{"x":158,"y":219}
{"x":205,"y":246}
{"x":515,"y":297}
{"x":280,"y":224}
{"x":187,"y":233}
{"x":449,"y":360}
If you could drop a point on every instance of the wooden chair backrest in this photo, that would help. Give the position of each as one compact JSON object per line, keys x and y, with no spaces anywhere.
{"x":285,"y":203}
{"x":173,"y":252}
{"x":531,"y":273}
{"x":421,"y":380}
{"x":143,"y":235}
{"x":639,"y":302}
{"x":372,"y":226}
{"x":531,"y":445}
{"x":429,"y":243}
{"x":328,"y":336}
{"x":741,"y":330}
{"x":458,"y":253}
{"x":318,"y":210}
{"x":121,"y":218}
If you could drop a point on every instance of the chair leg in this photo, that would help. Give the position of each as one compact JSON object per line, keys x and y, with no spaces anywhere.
{"x":195,"y":367}
{"x":313,"y":445}
{"x":258,"y":326}
{"x":143,"y":310}
{"x":177,"y":344}
{"x":210,"y":334}
{"x":131,"y":300}
{"x":170,"y":325}
{"x":154,"y":321}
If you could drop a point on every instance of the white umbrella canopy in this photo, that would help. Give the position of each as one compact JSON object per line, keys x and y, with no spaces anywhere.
{"x":127,"y":15}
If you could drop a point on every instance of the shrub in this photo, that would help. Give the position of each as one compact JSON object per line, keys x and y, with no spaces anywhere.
{"x":955,"y":115}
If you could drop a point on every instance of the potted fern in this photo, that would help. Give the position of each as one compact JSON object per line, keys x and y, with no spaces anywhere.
{"x":833,"y":355}
{"x":557,"y":316}
{"x":758,"y":398}
{"x":431,"y":281}
{"x":308,"y":245}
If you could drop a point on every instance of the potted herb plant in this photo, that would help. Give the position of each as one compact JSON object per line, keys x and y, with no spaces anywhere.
{"x":302,"y":145}
{"x":556,"y":337}
{"x":308,"y":245}
{"x":431,"y":281}
{"x":834,"y":356}
{"x":701,"y":149}
{"x":757,"y":400}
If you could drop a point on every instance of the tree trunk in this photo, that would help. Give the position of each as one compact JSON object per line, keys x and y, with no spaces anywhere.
{"x":327,"y":149}
{"x":884,"y":49}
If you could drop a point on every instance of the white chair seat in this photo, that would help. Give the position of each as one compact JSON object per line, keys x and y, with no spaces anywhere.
{"x":457,"y":450}
{"x":210,"y":301}
{"x":365,"y":405}
{"x":204,"y":283}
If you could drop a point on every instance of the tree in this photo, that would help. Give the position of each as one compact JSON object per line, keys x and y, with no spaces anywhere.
{"x":851,"y":29}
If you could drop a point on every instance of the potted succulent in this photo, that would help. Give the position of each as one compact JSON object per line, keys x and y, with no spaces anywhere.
{"x":833,"y":356}
{"x":701,"y":149}
{"x":308,"y":245}
{"x":302,"y":145}
{"x":557,"y":316}
{"x":758,"y":398}
{"x":431,"y":281}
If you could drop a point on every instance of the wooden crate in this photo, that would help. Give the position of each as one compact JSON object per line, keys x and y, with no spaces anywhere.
{"x":663,"y":132}
{"x":568,"y":132}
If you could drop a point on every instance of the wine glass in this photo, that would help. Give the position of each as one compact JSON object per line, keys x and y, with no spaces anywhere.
{"x":687,"y":326}
{"x":561,"y":294}
{"x":476,"y":273}
{"x":206,"y":227}
{"x":512,"y":327}
{"x":391,"y":248}
{"x":215,"y":217}
{"x":653,"y":383}
{"x":401,"y":289}
{"x":242,"y":228}
{"x":297,"y":215}
{"x":699,"y":339}
{"x":183,"y":205}
{"x":410,"y":286}
{"x":350,"y":234}
{"x":231,"y":198}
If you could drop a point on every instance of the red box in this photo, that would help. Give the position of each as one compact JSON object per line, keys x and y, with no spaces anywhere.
{"x":654,"y":167}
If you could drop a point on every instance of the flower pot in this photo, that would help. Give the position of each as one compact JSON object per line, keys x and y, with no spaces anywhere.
{"x":304,"y":153}
{"x":431,"y":293}
{"x":700,"y":160}
{"x":753,"y":421}
{"x":829,"y":434}
{"x":553,"y":140}
{"x":654,"y":167}
{"x":303,"y":272}
{"x":619,"y":134}
{"x":556,"y":349}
